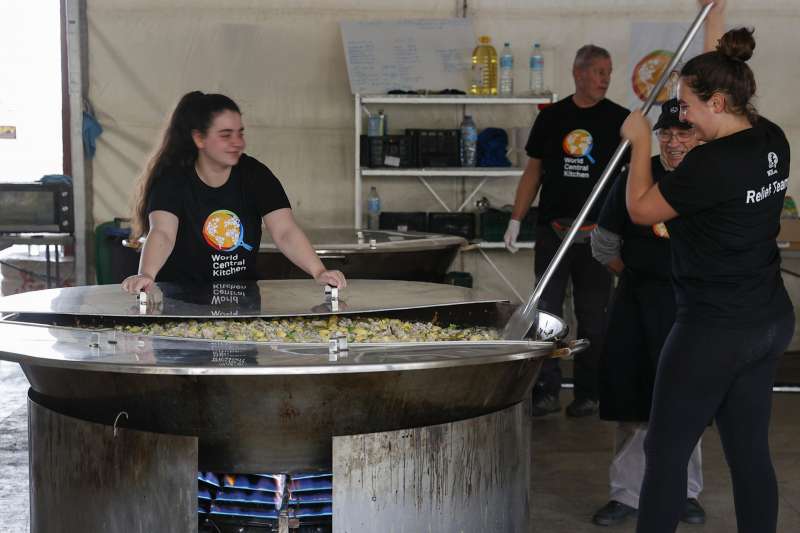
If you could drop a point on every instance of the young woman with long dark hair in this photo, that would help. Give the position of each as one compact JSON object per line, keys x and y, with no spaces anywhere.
{"x":201,"y":201}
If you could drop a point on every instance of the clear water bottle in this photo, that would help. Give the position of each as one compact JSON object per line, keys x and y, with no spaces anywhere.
{"x":507,"y":71}
{"x":469,"y":142}
{"x":373,"y":209}
{"x":536,"y":82}
{"x":484,"y":68}
{"x":376,"y":125}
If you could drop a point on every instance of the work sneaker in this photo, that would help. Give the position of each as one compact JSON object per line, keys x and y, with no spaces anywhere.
{"x":693,"y":513}
{"x":613,"y":513}
{"x":545,"y":404}
{"x":581,"y":408}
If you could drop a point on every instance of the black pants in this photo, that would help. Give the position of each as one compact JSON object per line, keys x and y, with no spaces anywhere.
{"x":707,"y":373}
{"x":640,"y":318}
{"x":591,"y":286}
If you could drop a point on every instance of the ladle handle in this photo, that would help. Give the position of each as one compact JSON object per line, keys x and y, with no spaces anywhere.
{"x":525,"y":315}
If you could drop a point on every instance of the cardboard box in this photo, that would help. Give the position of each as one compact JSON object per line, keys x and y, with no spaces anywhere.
{"x":21,"y":272}
{"x":789,"y":236}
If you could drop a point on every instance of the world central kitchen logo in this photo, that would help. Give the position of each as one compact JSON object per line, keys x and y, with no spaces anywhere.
{"x":577,"y":146}
{"x":578,"y":143}
{"x":223,"y":231}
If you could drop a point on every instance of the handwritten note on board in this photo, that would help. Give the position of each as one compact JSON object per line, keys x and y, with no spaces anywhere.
{"x":430,"y":54}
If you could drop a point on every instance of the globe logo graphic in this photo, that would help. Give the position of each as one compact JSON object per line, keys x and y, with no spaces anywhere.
{"x":223,"y":230}
{"x":772,"y":159}
{"x":578,"y":143}
{"x":647,"y":72}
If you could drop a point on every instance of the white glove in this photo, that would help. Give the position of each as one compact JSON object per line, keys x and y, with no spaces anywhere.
{"x":510,"y":237}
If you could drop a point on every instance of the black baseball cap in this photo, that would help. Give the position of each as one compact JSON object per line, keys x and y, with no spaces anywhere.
{"x":670,"y":116}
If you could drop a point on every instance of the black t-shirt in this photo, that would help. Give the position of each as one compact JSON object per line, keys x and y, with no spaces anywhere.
{"x":729,"y":195}
{"x":219,"y":229}
{"x":645,"y":249}
{"x":575,"y":145}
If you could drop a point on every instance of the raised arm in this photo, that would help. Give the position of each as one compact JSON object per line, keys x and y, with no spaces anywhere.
{"x":294,"y":244}
{"x":714,"y":25}
{"x":157,"y":246}
{"x":646,"y":204}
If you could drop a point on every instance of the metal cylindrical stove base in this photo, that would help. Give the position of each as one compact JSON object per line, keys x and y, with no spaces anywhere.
{"x":471,"y":475}
{"x":88,"y":477}
{"x":466,"y":476}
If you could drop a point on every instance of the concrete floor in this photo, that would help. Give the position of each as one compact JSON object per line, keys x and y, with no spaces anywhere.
{"x":570,"y":467}
{"x":13,"y":449}
{"x":570,"y":473}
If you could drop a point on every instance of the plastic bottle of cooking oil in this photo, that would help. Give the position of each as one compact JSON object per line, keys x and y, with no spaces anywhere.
{"x":484,"y":68}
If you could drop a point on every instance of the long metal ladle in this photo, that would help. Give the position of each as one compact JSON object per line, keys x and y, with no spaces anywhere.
{"x":526,"y":315}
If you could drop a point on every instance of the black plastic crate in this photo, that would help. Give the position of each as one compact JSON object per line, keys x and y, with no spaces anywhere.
{"x":398,"y":147}
{"x":404,"y":221}
{"x":436,"y":148}
{"x":375,"y":151}
{"x":461,"y":224}
{"x":363,"y":156}
{"x":493,"y":224}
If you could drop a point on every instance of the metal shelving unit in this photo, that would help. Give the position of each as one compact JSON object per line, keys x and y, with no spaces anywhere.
{"x":457,"y":99}
{"x":493,"y":172}
{"x":422,"y":173}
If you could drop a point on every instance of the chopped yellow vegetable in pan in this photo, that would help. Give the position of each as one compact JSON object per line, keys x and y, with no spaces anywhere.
{"x":299,"y":329}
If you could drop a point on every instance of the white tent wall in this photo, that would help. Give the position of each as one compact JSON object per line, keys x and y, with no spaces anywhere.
{"x":283,"y":62}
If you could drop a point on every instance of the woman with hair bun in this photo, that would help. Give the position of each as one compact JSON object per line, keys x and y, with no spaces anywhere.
{"x":734,"y":318}
{"x":201,"y":202}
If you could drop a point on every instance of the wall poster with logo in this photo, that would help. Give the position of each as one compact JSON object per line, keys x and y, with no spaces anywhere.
{"x":652,"y":47}
{"x":8,"y":132}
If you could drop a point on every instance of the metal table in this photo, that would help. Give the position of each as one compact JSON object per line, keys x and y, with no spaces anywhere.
{"x":41,"y":239}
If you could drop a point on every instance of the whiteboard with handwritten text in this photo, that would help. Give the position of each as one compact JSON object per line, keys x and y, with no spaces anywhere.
{"x":433,"y":54}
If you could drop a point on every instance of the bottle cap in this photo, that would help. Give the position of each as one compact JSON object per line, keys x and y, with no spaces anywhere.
{"x":485,"y":39}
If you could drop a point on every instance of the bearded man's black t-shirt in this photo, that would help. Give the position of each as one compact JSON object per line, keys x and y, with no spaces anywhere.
{"x":575,"y":145}
{"x":219,"y":228}
{"x":729,"y":194}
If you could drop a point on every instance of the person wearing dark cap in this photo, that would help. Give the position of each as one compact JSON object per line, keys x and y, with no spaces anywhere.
{"x":640,"y":318}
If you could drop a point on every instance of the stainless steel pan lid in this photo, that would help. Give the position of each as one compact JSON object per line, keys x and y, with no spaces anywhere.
{"x":271,"y":298}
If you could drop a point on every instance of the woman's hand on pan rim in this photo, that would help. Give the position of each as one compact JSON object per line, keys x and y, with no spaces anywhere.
{"x":137,"y":283}
{"x":331,"y":277}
